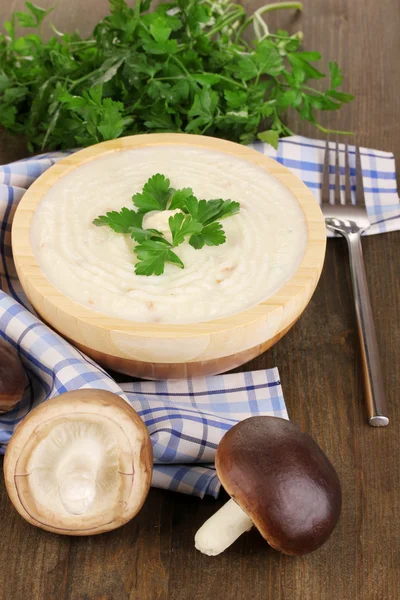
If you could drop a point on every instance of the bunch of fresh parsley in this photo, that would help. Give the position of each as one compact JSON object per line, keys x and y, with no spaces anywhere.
{"x":185,"y":67}
{"x":198,"y":220}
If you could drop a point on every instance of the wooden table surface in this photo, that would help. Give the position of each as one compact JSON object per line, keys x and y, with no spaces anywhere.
{"x":152,"y":557}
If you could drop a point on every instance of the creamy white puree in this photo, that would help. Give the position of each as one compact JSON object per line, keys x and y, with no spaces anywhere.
{"x":93,"y":265}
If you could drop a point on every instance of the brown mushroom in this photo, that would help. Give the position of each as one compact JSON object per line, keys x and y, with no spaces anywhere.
{"x":79,"y":464}
{"x":12,"y":377}
{"x":280,"y":480}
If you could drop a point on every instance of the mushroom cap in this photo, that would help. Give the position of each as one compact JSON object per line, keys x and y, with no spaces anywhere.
{"x":12,"y":377}
{"x":282,"y":479}
{"x":36,"y":452}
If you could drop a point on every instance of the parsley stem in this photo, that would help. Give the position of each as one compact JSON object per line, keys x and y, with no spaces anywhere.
{"x":305,"y":87}
{"x":230,"y":18}
{"x":83,"y":43}
{"x":265,"y":9}
{"x":221,"y":77}
{"x":137,"y":14}
{"x":278,"y":5}
{"x":311,"y":89}
{"x":325,"y":130}
{"x":84,"y":78}
{"x":229,"y":80}
{"x":295,"y":36}
{"x":181,"y":65}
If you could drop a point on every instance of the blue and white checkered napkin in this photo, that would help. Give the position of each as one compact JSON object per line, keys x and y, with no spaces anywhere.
{"x":186,"y":419}
{"x":305,"y":158}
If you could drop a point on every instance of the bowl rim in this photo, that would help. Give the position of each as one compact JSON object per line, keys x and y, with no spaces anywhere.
{"x":28,"y":269}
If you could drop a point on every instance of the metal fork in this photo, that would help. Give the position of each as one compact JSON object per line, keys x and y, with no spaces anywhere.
{"x":351,"y":220}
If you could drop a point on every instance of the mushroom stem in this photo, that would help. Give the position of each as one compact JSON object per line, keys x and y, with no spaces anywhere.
{"x":77,"y":475}
{"x":78,"y":491}
{"x":222,"y":529}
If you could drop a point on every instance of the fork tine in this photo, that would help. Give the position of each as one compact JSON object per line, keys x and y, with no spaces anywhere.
{"x":337,"y":175}
{"x":347,"y":192}
{"x":360,"y":198}
{"x":325,"y":190}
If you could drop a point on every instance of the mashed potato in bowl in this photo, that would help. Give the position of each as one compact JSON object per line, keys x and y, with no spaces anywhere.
{"x":265,"y":242}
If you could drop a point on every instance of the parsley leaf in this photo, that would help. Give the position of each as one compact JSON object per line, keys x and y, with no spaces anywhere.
{"x":181,"y":226}
{"x":336,"y":75}
{"x":228,"y":209}
{"x":99,"y":118}
{"x":268,"y":59}
{"x":197,"y":220}
{"x":34,"y":17}
{"x":180,"y":197}
{"x":121,"y":222}
{"x":127,"y":221}
{"x":152,"y":257}
{"x":269,"y":137}
{"x":204,"y":210}
{"x":155,"y":195}
{"x":203,"y":109}
{"x":211,"y":235}
{"x":184,"y":67}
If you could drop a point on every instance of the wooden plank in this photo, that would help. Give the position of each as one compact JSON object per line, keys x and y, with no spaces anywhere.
{"x":153,"y":556}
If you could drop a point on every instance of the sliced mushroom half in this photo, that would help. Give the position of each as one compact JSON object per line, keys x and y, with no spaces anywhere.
{"x":79,"y":464}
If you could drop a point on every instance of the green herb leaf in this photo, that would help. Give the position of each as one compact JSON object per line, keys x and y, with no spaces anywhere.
{"x":269,"y":137}
{"x":309,"y":56}
{"x":25,"y":20}
{"x":5,"y":81}
{"x":38,"y":13}
{"x":227,"y":209}
{"x":184,"y":67}
{"x":211,"y":235}
{"x":268,"y":59}
{"x":289,"y":98}
{"x":235,"y":99}
{"x":336,"y":75}
{"x":155,"y":195}
{"x":205,"y":210}
{"x":120,"y":222}
{"x":127,"y":221}
{"x":8,"y":116}
{"x":182,"y":226}
{"x":203,"y":109}
{"x":340,"y":96}
{"x":245,"y":68}
{"x":152,"y":257}
{"x":160,"y":31}
{"x":197,"y":220}
{"x":179,"y":199}
{"x":207,"y":79}
{"x":101,"y":119}
{"x":34,"y":17}
{"x":167,"y":47}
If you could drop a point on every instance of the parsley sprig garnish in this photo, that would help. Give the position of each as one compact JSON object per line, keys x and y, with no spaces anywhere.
{"x":197,"y":221}
{"x":184,"y":67}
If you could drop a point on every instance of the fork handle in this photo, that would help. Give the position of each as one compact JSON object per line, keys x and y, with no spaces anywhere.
{"x":374,"y":388}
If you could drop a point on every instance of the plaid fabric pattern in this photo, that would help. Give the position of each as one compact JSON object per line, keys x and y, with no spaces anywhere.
{"x":186,"y":419}
{"x":305,"y":158}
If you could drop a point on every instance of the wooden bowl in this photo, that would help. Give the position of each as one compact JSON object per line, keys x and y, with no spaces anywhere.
{"x":160,"y":351}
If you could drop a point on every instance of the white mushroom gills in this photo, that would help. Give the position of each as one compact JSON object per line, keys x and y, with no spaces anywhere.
{"x":78,"y":461}
{"x":222,"y":529}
